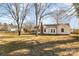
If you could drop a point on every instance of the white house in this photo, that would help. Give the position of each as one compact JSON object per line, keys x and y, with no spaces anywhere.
{"x":12,"y":28}
{"x":56,"y":29}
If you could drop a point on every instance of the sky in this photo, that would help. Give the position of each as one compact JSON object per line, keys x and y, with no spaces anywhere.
{"x":49,"y":20}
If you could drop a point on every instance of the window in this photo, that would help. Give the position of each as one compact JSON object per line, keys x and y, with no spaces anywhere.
{"x":54,"y":31}
{"x":51,"y":30}
{"x":62,"y":30}
{"x":44,"y":30}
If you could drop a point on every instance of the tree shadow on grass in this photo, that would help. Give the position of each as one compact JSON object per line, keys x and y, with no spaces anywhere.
{"x":35,"y":48}
{"x":75,"y":37}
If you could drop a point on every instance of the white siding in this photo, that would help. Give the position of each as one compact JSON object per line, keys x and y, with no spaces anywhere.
{"x":48,"y":30}
{"x":65,"y":27}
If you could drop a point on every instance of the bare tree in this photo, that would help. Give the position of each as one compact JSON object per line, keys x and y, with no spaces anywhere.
{"x":17,"y":12}
{"x":40,"y":13}
{"x":36,"y":14}
{"x":58,"y":16}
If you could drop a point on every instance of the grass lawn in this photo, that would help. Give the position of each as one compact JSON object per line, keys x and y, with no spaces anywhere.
{"x":48,"y":45}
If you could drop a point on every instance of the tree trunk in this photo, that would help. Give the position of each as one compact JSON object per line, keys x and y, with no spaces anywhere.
{"x":19,"y":32}
{"x":36,"y":27}
{"x":36,"y":13}
{"x":57,"y":22}
{"x":41,"y":28}
{"x":56,"y":28}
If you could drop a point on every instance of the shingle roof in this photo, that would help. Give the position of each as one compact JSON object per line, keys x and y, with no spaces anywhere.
{"x":55,"y":24}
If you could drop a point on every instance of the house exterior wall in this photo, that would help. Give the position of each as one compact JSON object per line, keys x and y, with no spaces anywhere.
{"x":66,"y":28}
{"x":12,"y":28}
{"x":49,"y":30}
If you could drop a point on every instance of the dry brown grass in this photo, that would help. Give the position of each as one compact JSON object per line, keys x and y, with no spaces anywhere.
{"x":12,"y":44}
